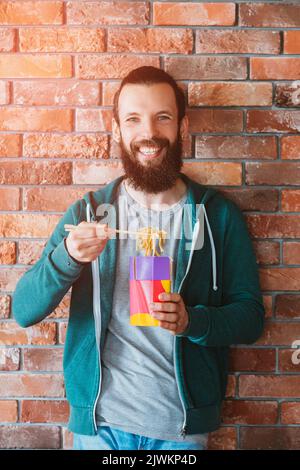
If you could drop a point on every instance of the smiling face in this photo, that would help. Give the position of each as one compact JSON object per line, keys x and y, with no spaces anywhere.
{"x":149,"y":136}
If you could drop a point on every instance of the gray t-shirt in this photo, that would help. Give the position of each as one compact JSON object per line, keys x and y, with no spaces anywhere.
{"x":139,"y":393}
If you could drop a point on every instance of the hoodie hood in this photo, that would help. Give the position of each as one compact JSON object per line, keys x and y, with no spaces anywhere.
{"x":198,"y":197}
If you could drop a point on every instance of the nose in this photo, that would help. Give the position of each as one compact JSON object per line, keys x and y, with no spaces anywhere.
{"x":148,"y":129}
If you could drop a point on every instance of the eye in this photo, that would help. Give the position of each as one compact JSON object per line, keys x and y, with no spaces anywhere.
{"x":132,"y":119}
{"x":164,"y":117}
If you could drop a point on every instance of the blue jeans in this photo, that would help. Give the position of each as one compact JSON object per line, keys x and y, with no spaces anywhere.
{"x":115,"y":439}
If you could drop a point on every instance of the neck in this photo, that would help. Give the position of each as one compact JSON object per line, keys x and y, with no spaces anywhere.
{"x":161,"y":201}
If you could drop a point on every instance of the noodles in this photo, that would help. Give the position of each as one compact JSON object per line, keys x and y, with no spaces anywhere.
{"x":146,"y":240}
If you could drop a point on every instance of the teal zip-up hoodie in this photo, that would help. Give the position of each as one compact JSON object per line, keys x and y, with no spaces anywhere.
{"x":216,"y":276}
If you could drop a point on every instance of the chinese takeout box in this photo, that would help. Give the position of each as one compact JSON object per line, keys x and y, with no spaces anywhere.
{"x":149,"y":277}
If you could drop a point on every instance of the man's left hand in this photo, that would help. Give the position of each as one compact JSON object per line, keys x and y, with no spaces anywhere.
{"x":170,"y":312}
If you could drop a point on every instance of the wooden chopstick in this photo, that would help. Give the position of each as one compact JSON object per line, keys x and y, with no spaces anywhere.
{"x":70,"y":227}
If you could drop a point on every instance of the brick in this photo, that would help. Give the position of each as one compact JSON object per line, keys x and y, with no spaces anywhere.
{"x":206,"y":67}
{"x":252,"y":360}
{"x":215,"y":120}
{"x":67,"y":439}
{"x":290,"y":147}
{"x":93,"y":120}
{"x":62,"y":310}
{"x":291,"y":252}
{"x":57,"y":93}
{"x":27,"y":225}
{"x":4,"y":92}
{"x":225,"y":438}
{"x":287,"y":306}
{"x":50,"y":199}
{"x":9,"y":199}
{"x":14,"y":172}
{"x":7,"y":39}
{"x":42,"y":333}
{"x":33,"y":119}
{"x":96,"y":172}
{"x":236,"y":147}
{"x":62,"y":331}
{"x":88,"y":146}
{"x":43,"y":411}
{"x":268,"y":15}
{"x":249,"y":412}
{"x":290,"y":200}
{"x":91,"y":66}
{"x":237,"y":41}
{"x":231,"y":386}
{"x":253,"y":199}
{"x":61,"y":40}
{"x":10,"y":145}
{"x":279,"y":333}
{"x":43,"y":359}
{"x":8,"y":411}
{"x":229,"y":94}
{"x":279,"y":173}
{"x":268,"y":301}
{"x":286,"y":360}
{"x":108,"y":91}
{"x":29,"y":437}
{"x":291,"y":41}
{"x":9,"y":359}
{"x":35,"y":66}
{"x":219,"y":173}
{"x":30,"y":251}
{"x":269,"y":68}
{"x":273,"y":121}
{"x":108,"y":13}
{"x":273,"y":225}
{"x":290,"y":413}
{"x":187,"y":13}
{"x":287,"y":94}
{"x":5,"y":302}
{"x":35,"y":385}
{"x":267,"y":252}
{"x":9,"y":278}
{"x":7,"y":252}
{"x":31,"y":12}
{"x":269,"y":386}
{"x":164,"y":40}
{"x":280,"y":279}
{"x":267,"y":438}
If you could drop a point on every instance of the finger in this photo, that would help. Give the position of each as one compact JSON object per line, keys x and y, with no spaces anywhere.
{"x":87,"y":242}
{"x":168,"y":326}
{"x":164,"y":307}
{"x":87,"y":230}
{"x":170,"y":297}
{"x":169,"y":317}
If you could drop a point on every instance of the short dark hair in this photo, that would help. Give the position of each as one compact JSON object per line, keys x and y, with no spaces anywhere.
{"x":148,"y":75}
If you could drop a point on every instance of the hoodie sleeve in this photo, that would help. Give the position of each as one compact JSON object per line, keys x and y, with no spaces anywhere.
{"x":240,"y":318}
{"x":43,"y":286}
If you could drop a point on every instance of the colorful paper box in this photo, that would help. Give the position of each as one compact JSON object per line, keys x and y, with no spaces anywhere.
{"x":149,"y":277}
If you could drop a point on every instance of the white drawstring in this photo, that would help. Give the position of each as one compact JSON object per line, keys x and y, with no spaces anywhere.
{"x":213,"y":250}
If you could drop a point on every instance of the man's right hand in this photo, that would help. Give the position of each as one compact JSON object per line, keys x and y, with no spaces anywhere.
{"x":86,"y":241}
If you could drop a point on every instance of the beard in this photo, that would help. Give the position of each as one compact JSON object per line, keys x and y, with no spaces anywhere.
{"x":153,"y":177}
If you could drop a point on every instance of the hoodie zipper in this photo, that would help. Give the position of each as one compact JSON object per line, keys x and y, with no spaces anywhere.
{"x":96,"y":312}
{"x":182,"y":400}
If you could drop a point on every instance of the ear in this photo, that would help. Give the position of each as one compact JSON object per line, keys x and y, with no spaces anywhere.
{"x":116,"y":131}
{"x":184,"y":127}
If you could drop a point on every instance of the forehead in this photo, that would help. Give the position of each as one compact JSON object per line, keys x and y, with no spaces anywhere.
{"x":147,"y":98}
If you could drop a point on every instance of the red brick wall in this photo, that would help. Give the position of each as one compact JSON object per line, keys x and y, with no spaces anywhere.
{"x":60,"y":63}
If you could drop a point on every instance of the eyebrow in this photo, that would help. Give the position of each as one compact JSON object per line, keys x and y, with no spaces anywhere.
{"x":165,"y":111}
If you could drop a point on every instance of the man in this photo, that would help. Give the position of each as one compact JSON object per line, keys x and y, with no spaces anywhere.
{"x":148,"y":387}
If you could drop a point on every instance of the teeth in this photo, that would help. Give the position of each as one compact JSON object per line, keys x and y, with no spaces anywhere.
{"x":149,"y":150}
